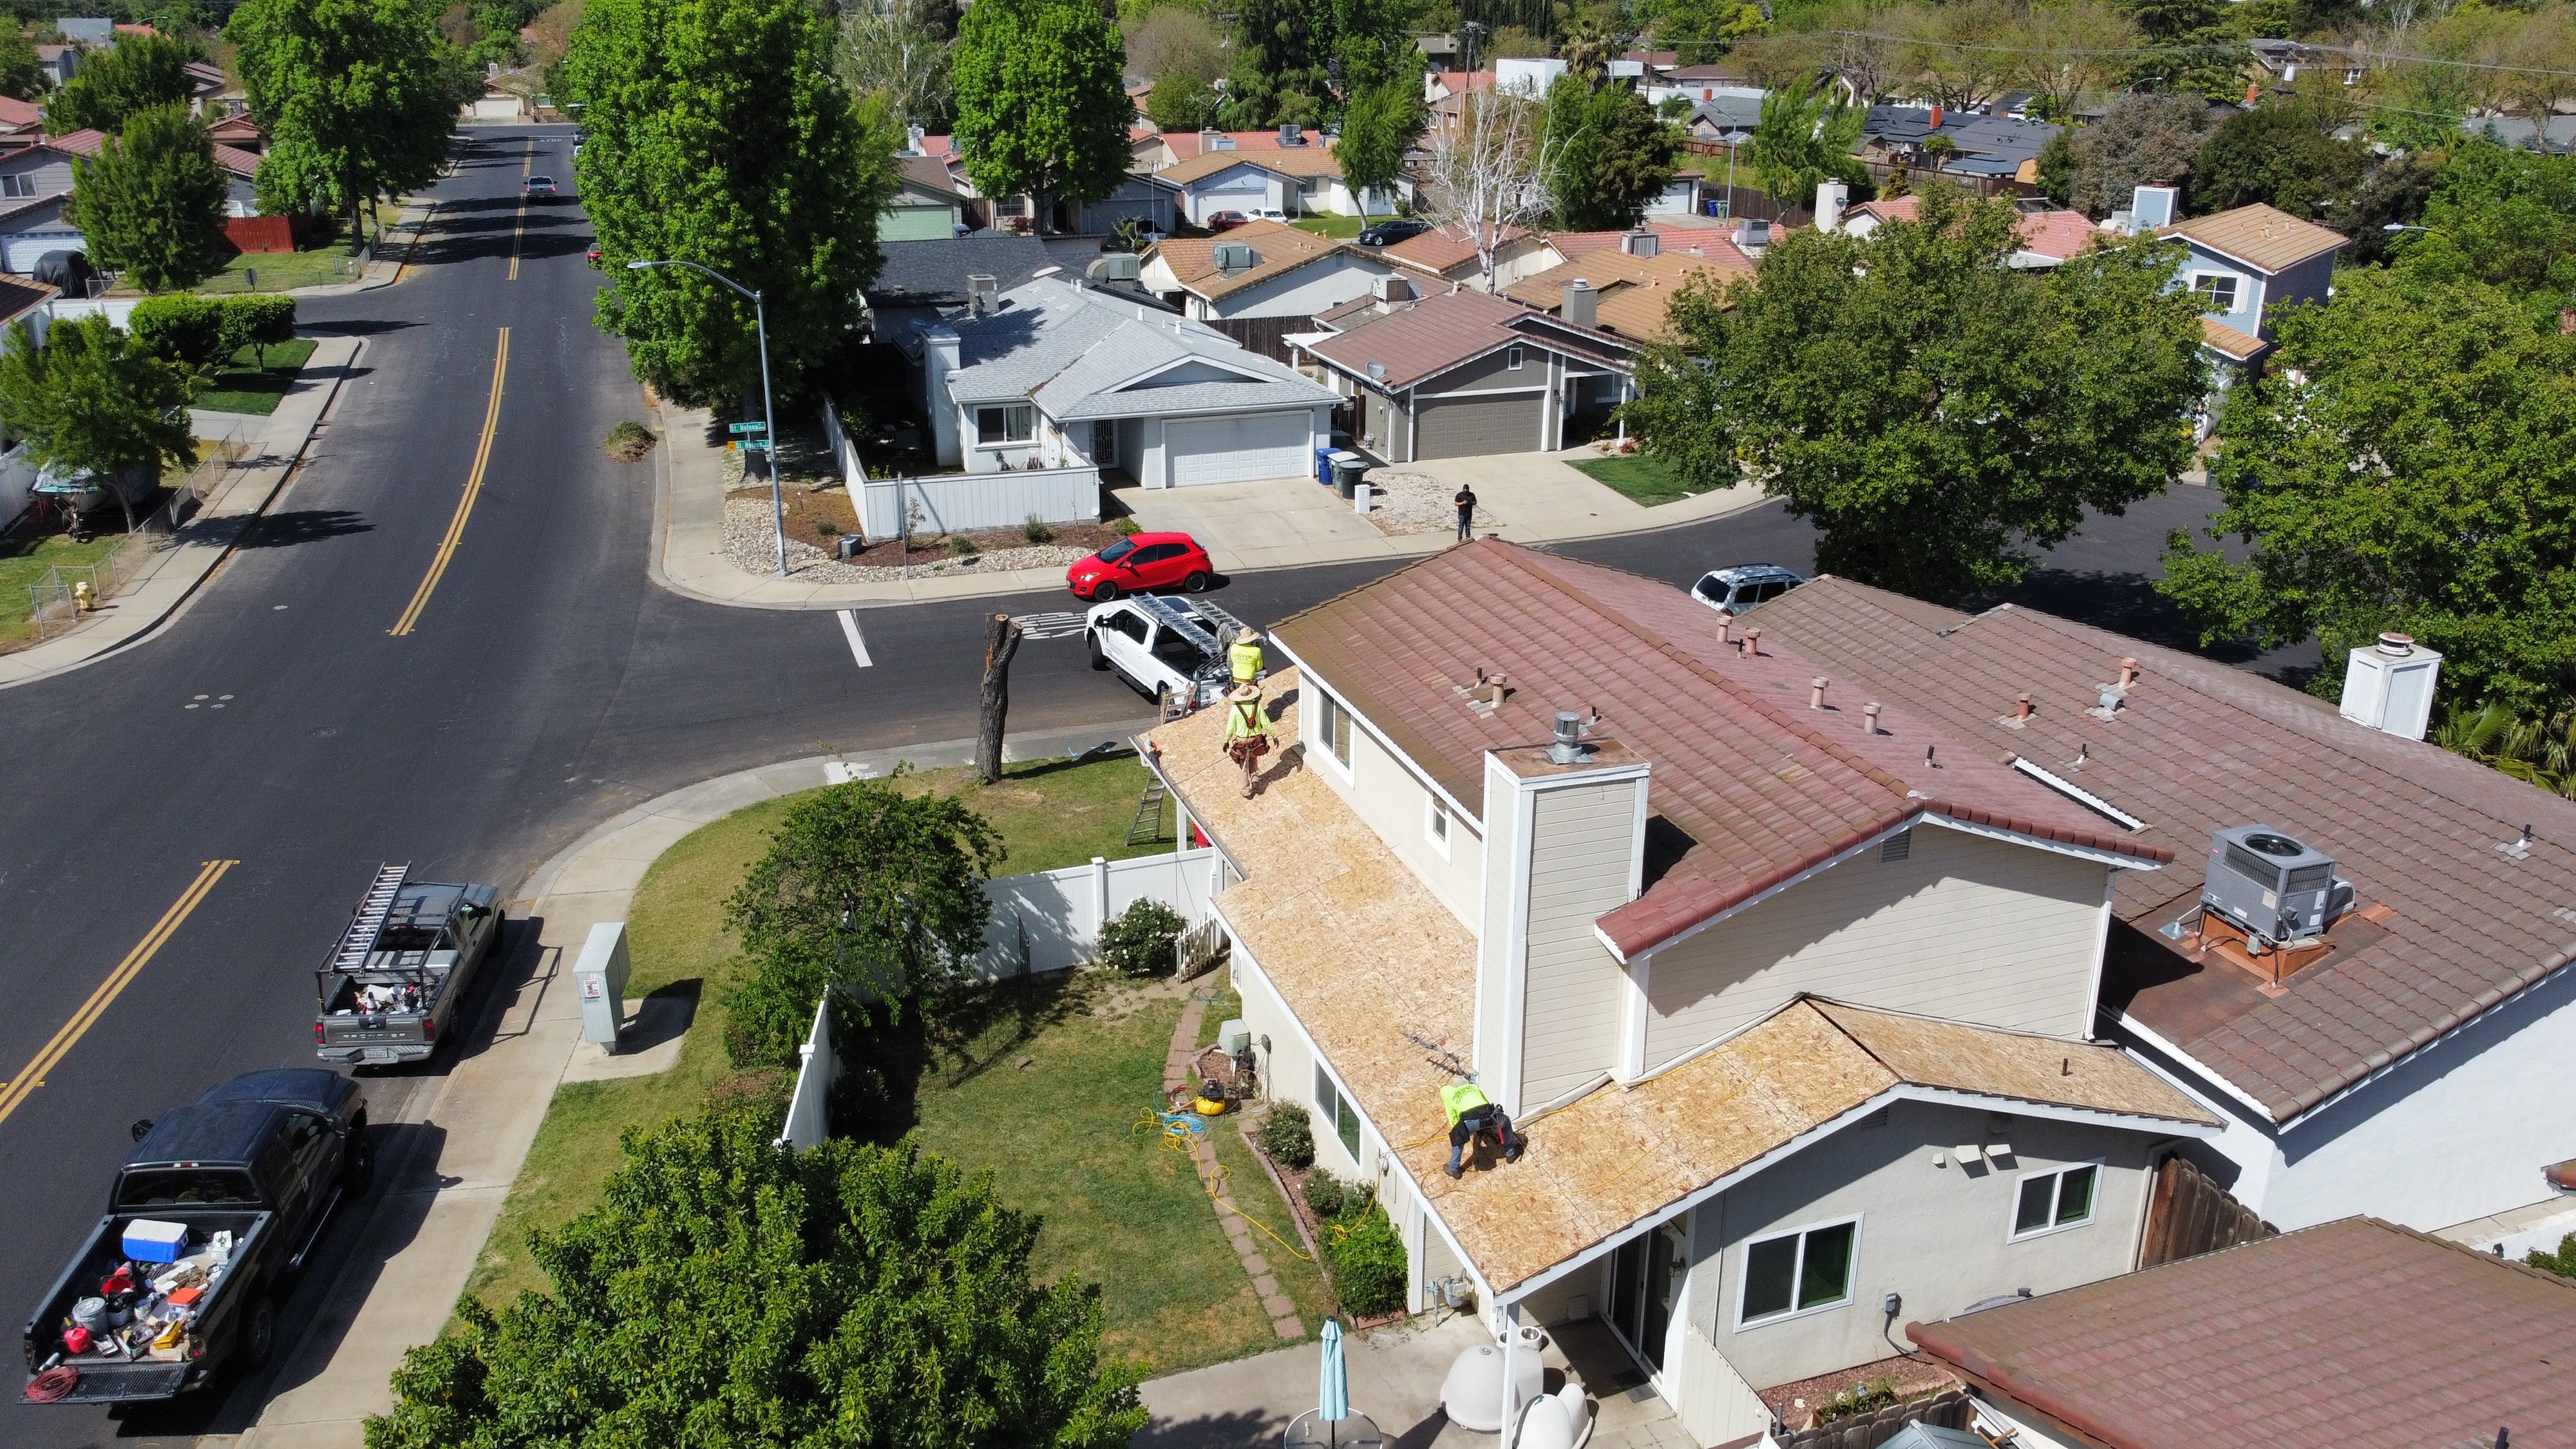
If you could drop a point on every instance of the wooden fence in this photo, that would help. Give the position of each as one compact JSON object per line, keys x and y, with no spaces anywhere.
{"x":1265,"y":335}
{"x":2189,"y":1215}
{"x":1946,"y":1410}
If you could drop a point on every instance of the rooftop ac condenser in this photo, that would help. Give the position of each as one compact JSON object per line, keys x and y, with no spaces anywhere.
{"x":2276,"y":888}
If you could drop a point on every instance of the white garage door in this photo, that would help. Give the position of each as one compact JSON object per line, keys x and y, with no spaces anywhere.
{"x":21,"y":252}
{"x":1237,"y":450}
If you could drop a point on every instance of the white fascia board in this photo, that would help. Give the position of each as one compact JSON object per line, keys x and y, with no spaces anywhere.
{"x":1431,"y":782}
{"x":2111,"y":858}
{"x":1172,"y":788}
{"x":2148,"y":1035}
{"x":1211,"y":358}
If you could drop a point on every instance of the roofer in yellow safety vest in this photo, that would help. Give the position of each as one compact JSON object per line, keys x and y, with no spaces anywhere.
{"x":1244,"y":655}
{"x":1247,"y":731}
{"x":1472,"y":1112}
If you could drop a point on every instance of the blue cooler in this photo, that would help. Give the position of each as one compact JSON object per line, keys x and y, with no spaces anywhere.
{"x":149,"y":1241}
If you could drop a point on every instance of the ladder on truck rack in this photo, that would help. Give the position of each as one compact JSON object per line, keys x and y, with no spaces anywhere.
{"x":368,"y":921}
{"x":1200,"y":622}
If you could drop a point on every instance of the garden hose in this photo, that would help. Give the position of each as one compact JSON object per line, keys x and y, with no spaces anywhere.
{"x":1180,"y":1132}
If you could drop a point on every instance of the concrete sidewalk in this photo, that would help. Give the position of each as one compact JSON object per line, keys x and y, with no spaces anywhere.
{"x":435,"y":1207}
{"x":1278,"y":523}
{"x":170,"y":576}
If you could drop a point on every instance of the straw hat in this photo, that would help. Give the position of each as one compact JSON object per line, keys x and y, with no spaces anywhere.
{"x":1248,"y":636}
{"x":1244,"y":693}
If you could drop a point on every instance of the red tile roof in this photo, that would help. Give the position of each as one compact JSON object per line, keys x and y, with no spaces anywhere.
{"x":1431,"y":336}
{"x":2353,"y":1335}
{"x":18,"y":297}
{"x":2197,"y":746}
{"x":16,"y":114}
{"x":1445,"y":246}
{"x":1762,"y":786}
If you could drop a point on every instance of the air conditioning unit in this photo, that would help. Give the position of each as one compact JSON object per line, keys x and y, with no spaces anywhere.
{"x":1232,"y":256}
{"x":2276,"y":888}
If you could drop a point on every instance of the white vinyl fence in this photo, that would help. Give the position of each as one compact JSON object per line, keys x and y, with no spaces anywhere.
{"x":959,"y":502}
{"x":17,"y":484}
{"x":809,"y":1118}
{"x":1050,"y":920}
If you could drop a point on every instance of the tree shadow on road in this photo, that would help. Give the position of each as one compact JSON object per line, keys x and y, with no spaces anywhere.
{"x":304,"y":525}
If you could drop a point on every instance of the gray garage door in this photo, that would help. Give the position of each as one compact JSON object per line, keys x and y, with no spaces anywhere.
{"x":24,"y":249}
{"x":1466,"y":427}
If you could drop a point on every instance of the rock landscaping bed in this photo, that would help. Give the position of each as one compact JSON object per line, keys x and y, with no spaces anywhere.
{"x":1419,"y":503}
{"x":750,"y":542}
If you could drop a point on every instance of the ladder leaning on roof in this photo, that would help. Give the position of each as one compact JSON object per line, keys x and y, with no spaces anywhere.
{"x":368,"y":921}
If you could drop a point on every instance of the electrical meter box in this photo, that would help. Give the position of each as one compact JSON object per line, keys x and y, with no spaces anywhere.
{"x":600,"y":978}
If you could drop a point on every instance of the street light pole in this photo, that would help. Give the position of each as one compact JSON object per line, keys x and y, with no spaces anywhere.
{"x":768,"y":406}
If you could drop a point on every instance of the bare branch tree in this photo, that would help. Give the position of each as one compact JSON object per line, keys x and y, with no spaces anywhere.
{"x":1489,"y":172}
{"x":888,"y":46}
{"x":2073,"y":51}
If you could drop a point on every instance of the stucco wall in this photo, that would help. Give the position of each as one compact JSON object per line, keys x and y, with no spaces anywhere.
{"x":1964,"y":927}
{"x":1381,"y":791}
{"x":1583,"y":840}
{"x":1327,"y":282}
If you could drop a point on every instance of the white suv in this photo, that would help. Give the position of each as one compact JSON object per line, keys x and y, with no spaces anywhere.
{"x":1738,"y":589}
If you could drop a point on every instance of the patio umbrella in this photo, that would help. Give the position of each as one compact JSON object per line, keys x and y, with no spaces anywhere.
{"x":1336,"y":1402}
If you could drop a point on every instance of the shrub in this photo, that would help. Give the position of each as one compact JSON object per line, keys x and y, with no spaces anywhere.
{"x":258,"y":320}
{"x":181,"y":328}
{"x":1139,"y":939}
{"x":1867,"y":1397}
{"x":629,"y":441}
{"x":1324,"y":1195}
{"x":1368,"y":1265}
{"x":2562,"y":1262}
{"x":1125,"y":528}
{"x":1288,"y":1136}
{"x":960,"y":546}
{"x":826,"y":529}
{"x":1037,"y":531}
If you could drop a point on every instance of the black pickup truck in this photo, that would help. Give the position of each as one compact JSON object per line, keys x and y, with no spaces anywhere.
{"x":211,"y":1215}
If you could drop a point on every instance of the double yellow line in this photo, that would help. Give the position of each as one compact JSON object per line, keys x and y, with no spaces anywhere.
{"x":32,"y":1076}
{"x":464,"y":505}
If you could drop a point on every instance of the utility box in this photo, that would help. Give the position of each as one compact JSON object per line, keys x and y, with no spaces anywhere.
{"x":600,"y":976}
{"x":1232,"y":1038}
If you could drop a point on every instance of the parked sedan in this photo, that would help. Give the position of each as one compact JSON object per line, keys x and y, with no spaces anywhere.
{"x":1388,"y":233}
{"x":1225,"y":220}
{"x":1140,"y":564}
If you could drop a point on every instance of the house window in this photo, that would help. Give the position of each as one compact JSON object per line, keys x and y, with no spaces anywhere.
{"x":2049,"y":1201}
{"x":1435,"y":825}
{"x":1800,"y":1272}
{"x":2217,"y":293}
{"x":1337,"y":1110}
{"x":22,"y":184}
{"x":1512,"y":358}
{"x":1333,"y":728}
{"x":1000,"y":426}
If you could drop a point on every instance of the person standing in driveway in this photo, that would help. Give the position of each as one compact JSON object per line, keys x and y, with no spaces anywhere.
{"x":1466,"y":501}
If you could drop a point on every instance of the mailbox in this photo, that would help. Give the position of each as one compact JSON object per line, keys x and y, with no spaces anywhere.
{"x":600,"y":977}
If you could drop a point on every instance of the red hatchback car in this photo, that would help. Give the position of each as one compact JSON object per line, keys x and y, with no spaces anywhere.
{"x":1141,"y":564}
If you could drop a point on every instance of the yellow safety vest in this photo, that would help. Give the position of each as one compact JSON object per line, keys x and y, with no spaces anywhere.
{"x":1459,"y":1098}
{"x":1246,"y":721}
{"x":1246,"y":659}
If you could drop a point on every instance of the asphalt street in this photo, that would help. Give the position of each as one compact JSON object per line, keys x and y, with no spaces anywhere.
{"x":442,"y":647}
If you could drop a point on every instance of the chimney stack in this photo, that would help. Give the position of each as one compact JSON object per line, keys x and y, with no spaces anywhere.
{"x":1579,"y":304}
{"x":1831,"y":198}
{"x":1936,"y":117}
{"x":1816,"y":692}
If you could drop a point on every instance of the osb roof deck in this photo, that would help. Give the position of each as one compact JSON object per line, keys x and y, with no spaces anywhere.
{"x":1362,"y":952}
{"x":1762,"y":785}
{"x":2199,"y":745}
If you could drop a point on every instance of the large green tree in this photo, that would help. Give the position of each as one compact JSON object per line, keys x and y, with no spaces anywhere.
{"x":2142,"y":140}
{"x":899,"y":49}
{"x":93,"y":401}
{"x":357,"y":96}
{"x":1042,"y":107}
{"x":1378,"y":127}
{"x":865,"y":890}
{"x":1804,"y":138}
{"x":1612,"y":154}
{"x":731,"y":1292}
{"x":717,"y":135}
{"x":152,"y":201}
{"x":1933,"y":411}
{"x":2284,"y":154}
{"x":2406,"y":461}
{"x":1302,"y":61}
{"x":136,"y":74}
{"x":22,"y":71}
{"x":2504,"y":217}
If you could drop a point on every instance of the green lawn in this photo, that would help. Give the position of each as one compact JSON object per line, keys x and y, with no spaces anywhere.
{"x":1344,"y":227}
{"x":241,"y":386}
{"x":1121,"y":1210}
{"x":23,"y":560}
{"x":281,"y":271}
{"x":1642,"y":478}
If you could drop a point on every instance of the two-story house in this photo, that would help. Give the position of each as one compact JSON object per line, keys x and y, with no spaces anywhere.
{"x":2242,"y":265}
{"x":1789,"y":992}
{"x":2415,"y":1063}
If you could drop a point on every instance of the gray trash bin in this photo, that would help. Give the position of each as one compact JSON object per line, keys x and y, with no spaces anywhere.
{"x":1348,"y":469}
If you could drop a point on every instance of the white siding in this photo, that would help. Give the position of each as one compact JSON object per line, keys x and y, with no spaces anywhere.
{"x":1583,"y":837}
{"x":1504,"y":832}
{"x":1381,"y":791}
{"x":1309,"y":289}
{"x":1966,"y":928}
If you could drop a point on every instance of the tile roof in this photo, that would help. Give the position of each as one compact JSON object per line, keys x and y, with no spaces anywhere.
{"x":2264,"y":236}
{"x":2355,"y":1334}
{"x":1635,"y":291}
{"x":2197,"y":746}
{"x":1655,"y":663}
{"x":18,"y":297}
{"x":1363,"y":953}
{"x":17,"y":114}
{"x":2059,"y":234}
{"x":1713,"y":242}
{"x":1442,"y":248}
{"x":1276,"y":248}
{"x":2230,"y":341}
{"x":1072,"y":349}
{"x":928,"y":173}
{"x":1289,"y":161}
{"x":1186,"y":144}
{"x":1428,"y":337}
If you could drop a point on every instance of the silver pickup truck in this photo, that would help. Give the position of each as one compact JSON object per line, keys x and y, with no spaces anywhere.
{"x":400,"y":972}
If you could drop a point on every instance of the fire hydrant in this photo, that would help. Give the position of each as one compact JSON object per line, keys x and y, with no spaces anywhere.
{"x":84,"y":597}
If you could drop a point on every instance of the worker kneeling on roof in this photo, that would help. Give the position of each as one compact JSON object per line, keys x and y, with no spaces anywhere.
{"x":1471,"y":1112}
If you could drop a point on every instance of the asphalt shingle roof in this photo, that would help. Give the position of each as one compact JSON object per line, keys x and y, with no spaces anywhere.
{"x":2197,"y":746}
{"x":2351,"y":1335}
{"x":934,"y":273}
{"x":1069,"y":349}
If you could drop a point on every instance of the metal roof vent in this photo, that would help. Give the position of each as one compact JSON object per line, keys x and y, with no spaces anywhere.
{"x":1569,"y":748}
{"x":2278,"y":889}
{"x":1377,"y":371}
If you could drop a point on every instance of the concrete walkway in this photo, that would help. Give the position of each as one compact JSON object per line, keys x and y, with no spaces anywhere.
{"x":1395,"y":1378}
{"x":436,"y":1206}
{"x":170,"y":577}
{"x":1179,"y":1063}
{"x":1278,"y":523}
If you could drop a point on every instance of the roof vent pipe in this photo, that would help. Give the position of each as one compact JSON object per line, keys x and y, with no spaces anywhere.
{"x":2021,"y":706}
{"x":1569,"y":748}
{"x":1816,"y":692}
{"x":1869,"y":718}
{"x":1753,"y":642}
{"x":2128,"y":672}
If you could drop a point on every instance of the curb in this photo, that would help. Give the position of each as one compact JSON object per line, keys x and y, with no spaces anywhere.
{"x":243,"y":523}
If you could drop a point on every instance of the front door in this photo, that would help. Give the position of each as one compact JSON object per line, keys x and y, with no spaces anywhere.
{"x":1104,"y":445}
{"x":1645,"y":1291}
